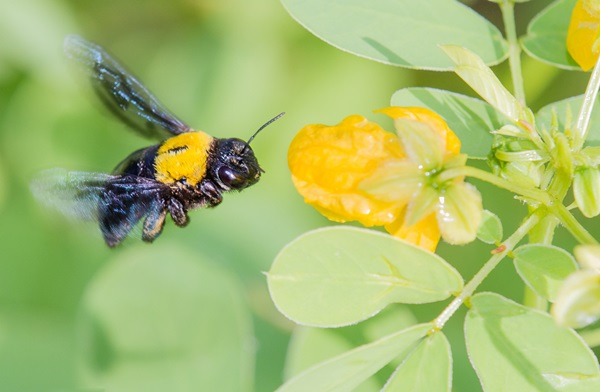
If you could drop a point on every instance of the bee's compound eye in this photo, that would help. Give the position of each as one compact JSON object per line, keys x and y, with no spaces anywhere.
{"x":230,"y":178}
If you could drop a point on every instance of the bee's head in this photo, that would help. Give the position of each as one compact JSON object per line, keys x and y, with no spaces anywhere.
{"x":236,"y":166}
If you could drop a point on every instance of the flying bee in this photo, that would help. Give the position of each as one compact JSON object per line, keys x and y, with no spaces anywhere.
{"x":188,"y":169}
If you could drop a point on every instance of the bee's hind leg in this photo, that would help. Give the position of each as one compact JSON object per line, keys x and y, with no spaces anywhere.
{"x":153,"y":225}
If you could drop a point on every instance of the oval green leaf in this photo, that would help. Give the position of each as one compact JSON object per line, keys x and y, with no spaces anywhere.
{"x":427,"y":368}
{"x":546,"y":38}
{"x":490,"y":229}
{"x":350,"y":369}
{"x":544,"y":268}
{"x":341,"y":275}
{"x":405,"y":33}
{"x":508,"y":341}
{"x":310,"y":346}
{"x":471,"y":119}
{"x":566,"y":113}
{"x":161,"y":319}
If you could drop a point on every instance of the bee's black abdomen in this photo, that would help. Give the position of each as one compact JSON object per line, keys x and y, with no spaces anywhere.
{"x":124,"y":202}
{"x":139,"y":163}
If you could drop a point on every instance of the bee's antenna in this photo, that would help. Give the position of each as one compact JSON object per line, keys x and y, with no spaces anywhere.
{"x":263,"y":126}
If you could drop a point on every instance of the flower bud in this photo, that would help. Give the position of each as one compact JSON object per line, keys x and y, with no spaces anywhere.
{"x":588,"y":256}
{"x":586,"y":189}
{"x":578,"y":302}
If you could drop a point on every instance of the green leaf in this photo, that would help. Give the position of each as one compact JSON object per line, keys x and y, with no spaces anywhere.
{"x":566,"y":110}
{"x":546,"y":38}
{"x":400,"y":32}
{"x":471,"y":68}
{"x":427,"y":368}
{"x":471,"y":119}
{"x":345,"y":372}
{"x":309,"y":346}
{"x":589,"y":385}
{"x":516,"y":348}
{"x":162,"y":319}
{"x":544,"y":268}
{"x":341,"y":275}
{"x":490,"y":229}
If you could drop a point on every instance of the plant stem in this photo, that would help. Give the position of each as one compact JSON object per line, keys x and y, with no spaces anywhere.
{"x":469,"y":171}
{"x":583,"y":120}
{"x":514,"y":49}
{"x":570,"y":223}
{"x":488,"y":267}
{"x":555,"y":207}
{"x":534,"y":300}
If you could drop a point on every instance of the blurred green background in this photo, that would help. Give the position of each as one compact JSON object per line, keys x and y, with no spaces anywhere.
{"x":191,"y":311}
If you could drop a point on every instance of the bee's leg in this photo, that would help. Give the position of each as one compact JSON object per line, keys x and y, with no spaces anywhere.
{"x":178,"y":212}
{"x":212,"y":194}
{"x":153,"y":225}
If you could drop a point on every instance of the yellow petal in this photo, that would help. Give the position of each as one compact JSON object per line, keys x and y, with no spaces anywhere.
{"x":424,"y":233}
{"x":582,"y":35}
{"x":423,"y":115}
{"x":329,"y":162}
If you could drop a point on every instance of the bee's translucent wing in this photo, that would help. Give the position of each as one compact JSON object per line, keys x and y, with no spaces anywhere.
{"x":122,"y":93}
{"x":74,"y":194}
{"x":118,"y":203}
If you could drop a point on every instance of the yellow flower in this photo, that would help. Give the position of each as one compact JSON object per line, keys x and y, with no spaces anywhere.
{"x":582,"y":37}
{"x":357,"y":171}
{"x":329,"y":163}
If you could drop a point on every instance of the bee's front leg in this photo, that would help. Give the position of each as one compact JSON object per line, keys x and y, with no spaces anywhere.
{"x":178,"y":212}
{"x":210,"y":193}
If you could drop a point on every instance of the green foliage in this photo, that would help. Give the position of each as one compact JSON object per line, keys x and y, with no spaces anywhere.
{"x":371,"y":29}
{"x":471,"y":118}
{"x":427,"y":368}
{"x":333,"y":277}
{"x":564,"y":112}
{"x":482,"y":79}
{"x":353,"y":274}
{"x":348,"y":370}
{"x":490,"y":230}
{"x":140,"y":316}
{"x":547,"y":35}
{"x":513,"y":347}
{"x":192,"y":311}
{"x":544,"y":268}
{"x":310,"y":346}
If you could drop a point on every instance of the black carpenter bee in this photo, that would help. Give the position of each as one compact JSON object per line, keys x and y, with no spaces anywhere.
{"x":188,"y":169}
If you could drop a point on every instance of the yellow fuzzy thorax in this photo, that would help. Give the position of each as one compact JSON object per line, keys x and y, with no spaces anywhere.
{"x":183,"y":156}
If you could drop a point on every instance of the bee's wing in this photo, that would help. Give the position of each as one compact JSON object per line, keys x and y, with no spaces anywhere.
{"x":123,"y":94}
{"x":118,"y":203}
{"x":74,"y":194}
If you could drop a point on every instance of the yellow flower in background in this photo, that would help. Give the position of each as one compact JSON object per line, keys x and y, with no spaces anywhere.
{"x":357,"y":171}
{"x":582,"y":37}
